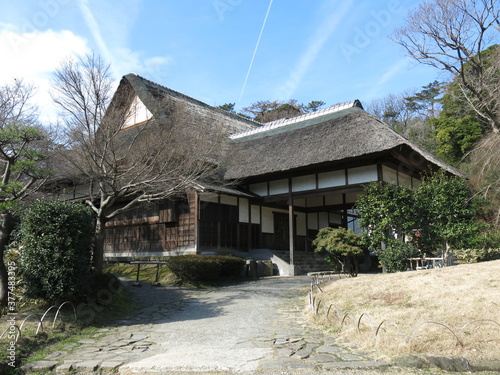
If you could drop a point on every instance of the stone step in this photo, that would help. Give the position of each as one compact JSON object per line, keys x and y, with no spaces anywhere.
{"x":305,"y":261}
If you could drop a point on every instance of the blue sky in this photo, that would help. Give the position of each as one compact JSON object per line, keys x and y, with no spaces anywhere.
{"x":220,"y":51}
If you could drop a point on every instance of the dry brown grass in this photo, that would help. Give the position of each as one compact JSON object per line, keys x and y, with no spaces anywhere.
{"x":425,"y":312}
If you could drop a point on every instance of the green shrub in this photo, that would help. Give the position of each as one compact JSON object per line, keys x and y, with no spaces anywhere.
{"x":56,"y":239}
{"x":230,"y":266}
{"x":342,"y":247}
{"x":477,"y":255}
{"x":395,"y":257}
{"x":195,"y":268}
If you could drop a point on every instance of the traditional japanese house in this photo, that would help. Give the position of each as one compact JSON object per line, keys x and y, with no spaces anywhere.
{"x":285,"y":180}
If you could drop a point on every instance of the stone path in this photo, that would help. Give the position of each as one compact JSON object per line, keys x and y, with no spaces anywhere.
{"x":252,"y":328}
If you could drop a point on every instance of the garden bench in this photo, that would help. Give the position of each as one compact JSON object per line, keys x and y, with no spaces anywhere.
{"x":424,"y":263}
{"x":154,"y":283}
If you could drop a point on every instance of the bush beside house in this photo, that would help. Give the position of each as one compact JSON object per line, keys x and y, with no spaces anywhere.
{"x":56,"y":239}
{"x":196,"y":268}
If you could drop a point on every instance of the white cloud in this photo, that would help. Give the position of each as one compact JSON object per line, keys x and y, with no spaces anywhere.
{"x":95,"y":30}
{"x":392,"y":72}
{"x":321,"y":35}
{"x":128,"y":61}
{"x":112,"y":46}
{"x":34,"y":56}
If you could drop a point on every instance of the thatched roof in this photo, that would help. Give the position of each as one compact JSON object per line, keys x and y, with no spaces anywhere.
{"x":152,"y":95}
{"x":338,"y":134}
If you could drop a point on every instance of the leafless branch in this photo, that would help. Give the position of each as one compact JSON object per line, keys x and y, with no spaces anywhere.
{"x":451,"y":35}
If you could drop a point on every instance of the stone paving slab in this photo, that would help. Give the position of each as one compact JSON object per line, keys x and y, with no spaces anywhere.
{"x":40,"y":366}
{"x":201,"y":332}
{"x":87,"y":365}
{"x":64,"y":368}
{"x":357,"y":364}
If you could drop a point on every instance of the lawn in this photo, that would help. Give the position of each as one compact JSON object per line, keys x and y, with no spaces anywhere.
{"x":452,"y":311}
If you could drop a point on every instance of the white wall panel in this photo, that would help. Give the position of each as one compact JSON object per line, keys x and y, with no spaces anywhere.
{"x":300,"y":202}
{"x":255,"y":211}
{"x":267,"y":220}
{"x":137,"y":114}
{"x":404,"y":180}
{"x":330,"y":179}
{"x":335,"y":218}
{"x":304,"y":183}
{"x":259,"y":189}
{"x":301,"y":224}
{"x":312,"y":220}
{"x":351,"y":197}
{"x":315,"y":202}
{"x":209,"y":197}
{"x":334,"y":199}
{"x":230,"y":200}
{"x":390,"y":175}
{"x":278,"y":187}
{"x":323,"y":220}
{"x":243,"y":210}
{"x":362,"y":174}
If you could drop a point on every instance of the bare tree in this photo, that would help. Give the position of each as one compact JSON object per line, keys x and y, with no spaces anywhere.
{"x":126,"y":166}
{"x":451,"y":35}
{"x":483,"y":167}
{"x":392,"y":110}
{"x":267,"y":111}
{"x":24,"y":149}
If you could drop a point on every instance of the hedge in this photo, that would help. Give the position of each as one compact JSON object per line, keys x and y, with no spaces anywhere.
{"x":195,"y":268}
{"x":56,"y":239}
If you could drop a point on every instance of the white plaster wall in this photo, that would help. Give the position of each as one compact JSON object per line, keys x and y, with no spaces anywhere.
{"x":315,"y":202}
{"x":243,"y":210}
{"x":351,"y":197}
{"x":335,"y":218}
{"x":404,"y":180}
{"x":390,"y":175}
{"x":267,"y":220}
{"x":259,"y":189}
{"x":304,"y":183}
{"x":334,"y":199}
{"x":255,"y":214}
{"x":138,"y":113}
{"x":362,"y":174}
{"x":330,"y":179}
{"x":323,"y":220}
{"x":301,"y":224}
{"x":227,"y":199}
{"x":209,"y":197}
{"x":300,"y":202}
{"x":312,"y":221}
{"x":278,"y":187}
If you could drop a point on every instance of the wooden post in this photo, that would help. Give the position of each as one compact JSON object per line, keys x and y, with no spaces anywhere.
{"x":291,"y":227}
{"x":249,"y":239}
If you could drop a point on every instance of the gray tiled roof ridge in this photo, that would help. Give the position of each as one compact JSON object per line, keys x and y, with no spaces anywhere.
{"x":287,"y":121}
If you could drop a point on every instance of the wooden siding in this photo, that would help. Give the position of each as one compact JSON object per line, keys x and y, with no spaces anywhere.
{"x":153,"y":228}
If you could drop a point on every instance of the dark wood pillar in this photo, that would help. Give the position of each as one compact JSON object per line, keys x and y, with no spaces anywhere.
{"x":291,"y":227}
{"x":249,"y":239}
{"x":219,"y":215}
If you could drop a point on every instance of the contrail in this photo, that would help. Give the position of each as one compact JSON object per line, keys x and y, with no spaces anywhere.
{"x":255,"y":50}
{"x":93,"y":25}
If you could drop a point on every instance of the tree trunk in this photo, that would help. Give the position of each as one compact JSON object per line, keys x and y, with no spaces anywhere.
{"x":98,"y":255}
{"x":446,"y":252}
{"x":6,"y":227}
